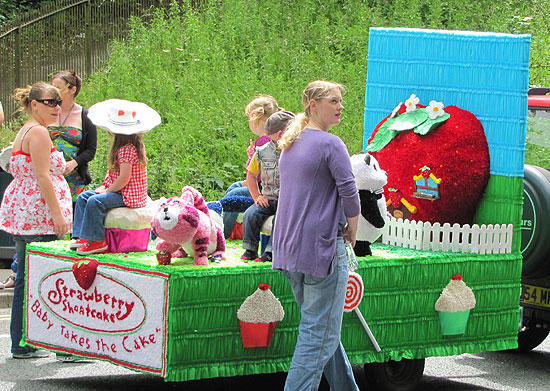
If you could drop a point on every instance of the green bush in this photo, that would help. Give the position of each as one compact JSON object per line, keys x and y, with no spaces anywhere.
{"x":199,"y":68}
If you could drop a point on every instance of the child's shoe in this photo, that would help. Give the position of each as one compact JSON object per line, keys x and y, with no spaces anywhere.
{"x":92,"y":247}
{"x":266,"y":257}
{"x":249,"y":255}
{"x":77,"y":243}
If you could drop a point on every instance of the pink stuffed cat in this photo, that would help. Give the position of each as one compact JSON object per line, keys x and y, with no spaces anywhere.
{"x":185,"y":225}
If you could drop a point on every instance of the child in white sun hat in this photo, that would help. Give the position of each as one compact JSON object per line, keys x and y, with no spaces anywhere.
{"x":125,"y":183}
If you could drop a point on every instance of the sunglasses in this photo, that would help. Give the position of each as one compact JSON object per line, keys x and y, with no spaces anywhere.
{"x":50,"y":102}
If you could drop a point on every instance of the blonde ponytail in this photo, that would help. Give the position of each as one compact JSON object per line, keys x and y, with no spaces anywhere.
{"x":293,"y":131}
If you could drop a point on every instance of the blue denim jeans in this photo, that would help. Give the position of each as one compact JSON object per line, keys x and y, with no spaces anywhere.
{"x":90,"y":211}
{"x":318,"y":349}
{"x":254,"y":217}
{"x":16,"y":323}
{"x":229,"y":218}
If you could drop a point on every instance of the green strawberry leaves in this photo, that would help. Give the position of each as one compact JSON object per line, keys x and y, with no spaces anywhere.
{"x":409,"y":120}
{"x":383,"y":136}
{"x":417,"y":120}
{"x":429,"y":125}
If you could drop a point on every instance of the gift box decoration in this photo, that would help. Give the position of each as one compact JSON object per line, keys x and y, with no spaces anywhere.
{"x":129,"y":229}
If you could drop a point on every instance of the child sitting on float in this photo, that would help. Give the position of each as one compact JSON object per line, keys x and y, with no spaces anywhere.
{"x":258,"y":110}
{"x":266,"y":159}
{"x":125,"y":184}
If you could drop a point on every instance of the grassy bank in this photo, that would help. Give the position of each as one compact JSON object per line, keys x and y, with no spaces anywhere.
{"x":199,"y":67}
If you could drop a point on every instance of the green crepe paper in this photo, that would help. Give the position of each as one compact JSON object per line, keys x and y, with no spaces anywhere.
{"x":148,"y":261}
{"x":401,"y":288}
{"x":502,"y":203}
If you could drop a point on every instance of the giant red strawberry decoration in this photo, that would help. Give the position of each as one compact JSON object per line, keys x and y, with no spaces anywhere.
{"x":437,"y":160}
{"x":84,"y":272}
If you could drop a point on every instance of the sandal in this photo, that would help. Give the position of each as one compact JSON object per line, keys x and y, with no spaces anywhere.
{"x":9,"y":283}
{"x":67,"y":357}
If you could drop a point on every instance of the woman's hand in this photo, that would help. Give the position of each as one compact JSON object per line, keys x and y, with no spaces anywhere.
{"x":60,"y":225}
{"x":100,"y":190}
{"x":71,"y":166}
{"x":350,"y":230}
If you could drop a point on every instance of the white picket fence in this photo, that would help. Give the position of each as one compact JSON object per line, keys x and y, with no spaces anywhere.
{"x":484,"y":239}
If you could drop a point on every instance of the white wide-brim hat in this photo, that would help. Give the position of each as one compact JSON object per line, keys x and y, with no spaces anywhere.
{"x":123,"y":116}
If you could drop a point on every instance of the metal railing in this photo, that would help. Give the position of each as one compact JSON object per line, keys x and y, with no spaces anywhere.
{"x":68,"y":34}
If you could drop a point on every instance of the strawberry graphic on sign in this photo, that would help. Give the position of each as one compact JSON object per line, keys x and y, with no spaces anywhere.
{"x":84,"y":272}
{"x":437,"y":160}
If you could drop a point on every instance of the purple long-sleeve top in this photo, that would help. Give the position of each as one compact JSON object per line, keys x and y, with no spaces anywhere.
{"x":317,"y":194}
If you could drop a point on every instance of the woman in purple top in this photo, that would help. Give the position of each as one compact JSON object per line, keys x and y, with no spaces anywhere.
{"x":318,"y":208}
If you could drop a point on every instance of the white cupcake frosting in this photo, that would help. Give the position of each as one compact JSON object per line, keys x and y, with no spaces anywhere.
{"x":261,"y":307}
{"x":456,"y":296}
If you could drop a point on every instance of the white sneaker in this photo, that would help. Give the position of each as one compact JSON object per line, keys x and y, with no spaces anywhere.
{"x":31,"y":354}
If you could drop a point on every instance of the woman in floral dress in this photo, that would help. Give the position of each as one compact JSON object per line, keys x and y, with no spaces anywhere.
{"x":37,"y":204}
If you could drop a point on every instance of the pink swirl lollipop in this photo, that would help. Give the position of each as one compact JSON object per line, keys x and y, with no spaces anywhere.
{"x":354,"y":292}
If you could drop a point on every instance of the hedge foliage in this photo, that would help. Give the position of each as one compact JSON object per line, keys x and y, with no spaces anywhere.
{"x":199,"y":67}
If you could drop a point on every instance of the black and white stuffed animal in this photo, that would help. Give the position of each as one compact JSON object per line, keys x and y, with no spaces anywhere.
{"x":370,"y":180}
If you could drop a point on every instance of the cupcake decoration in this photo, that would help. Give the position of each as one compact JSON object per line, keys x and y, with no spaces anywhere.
{"x":454,"y":305}
{"x":258,"y":316}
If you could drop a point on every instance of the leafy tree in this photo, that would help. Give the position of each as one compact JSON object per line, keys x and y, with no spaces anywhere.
{"x":12,"y":8}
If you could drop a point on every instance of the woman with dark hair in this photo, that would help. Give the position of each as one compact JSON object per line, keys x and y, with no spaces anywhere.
{"x":73,"y":133}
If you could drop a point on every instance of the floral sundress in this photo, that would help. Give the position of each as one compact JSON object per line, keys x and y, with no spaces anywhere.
{"x":67,"y":139}
{"x":24,"y":210}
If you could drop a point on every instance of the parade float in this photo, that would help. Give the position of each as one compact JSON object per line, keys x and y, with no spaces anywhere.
{"x":179,"y":320}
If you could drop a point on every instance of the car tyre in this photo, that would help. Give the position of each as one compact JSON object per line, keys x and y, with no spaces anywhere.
{"x":535,"y":248}
{"x":530,"y":338}
{"x":402,"y":375}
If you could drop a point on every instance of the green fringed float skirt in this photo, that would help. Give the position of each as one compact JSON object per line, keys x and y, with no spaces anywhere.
{"x":401,"y":287}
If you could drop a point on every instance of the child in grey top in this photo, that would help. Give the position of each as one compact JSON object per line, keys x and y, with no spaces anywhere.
{"x":266,"y":160}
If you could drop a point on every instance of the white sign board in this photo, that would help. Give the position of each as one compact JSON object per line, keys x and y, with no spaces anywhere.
{"x":120,"y":317}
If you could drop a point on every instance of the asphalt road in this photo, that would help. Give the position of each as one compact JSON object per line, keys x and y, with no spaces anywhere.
{"x":502,"y":371}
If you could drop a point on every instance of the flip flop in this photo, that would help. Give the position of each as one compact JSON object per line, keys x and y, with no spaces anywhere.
{"x":8,"y":283}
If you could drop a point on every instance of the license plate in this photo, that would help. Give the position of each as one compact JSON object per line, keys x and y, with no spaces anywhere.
{"x":535,"y":295}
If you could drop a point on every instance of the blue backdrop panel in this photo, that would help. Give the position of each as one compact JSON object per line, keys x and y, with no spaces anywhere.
{"x":485,"y":73}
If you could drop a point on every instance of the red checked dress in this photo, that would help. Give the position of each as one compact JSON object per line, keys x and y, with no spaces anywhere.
{"x":134,"y":194}
{"x":24,"y":210}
